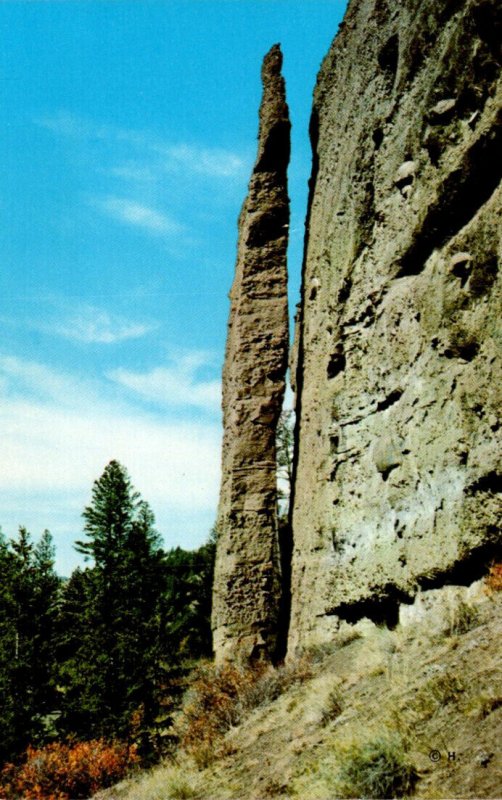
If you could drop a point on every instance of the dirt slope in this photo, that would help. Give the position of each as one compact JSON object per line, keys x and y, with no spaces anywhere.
{"x":432,"y":686}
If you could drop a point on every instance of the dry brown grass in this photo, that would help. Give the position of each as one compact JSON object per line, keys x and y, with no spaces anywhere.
{"x":220,"y":697}
{"x":373,"y":707}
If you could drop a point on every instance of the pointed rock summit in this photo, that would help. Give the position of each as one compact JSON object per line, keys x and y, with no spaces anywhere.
{"x":247,"y":586}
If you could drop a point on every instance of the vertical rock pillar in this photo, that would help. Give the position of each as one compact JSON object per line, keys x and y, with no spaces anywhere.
{"x":247,"y":585}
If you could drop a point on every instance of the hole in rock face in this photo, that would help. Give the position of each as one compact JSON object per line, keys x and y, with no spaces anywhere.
{"x":462,"y":345}
{"x":382,"y":608}
{"x":388,"y":401}
{"x":484,"y":275}
{"x":386,"y":472}
{"x":336,"y":363}
{"x":344,"y":293}
{"x":434,"y":147}
{"x":470,"y":567}
{"x":491,"y":482}
{"x":389,"y":55}
{"x":268,"y":227}
{"x":462,"y":270}
{"x":377,"y":138}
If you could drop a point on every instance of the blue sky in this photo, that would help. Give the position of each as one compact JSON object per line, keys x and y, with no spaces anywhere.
{"x":128,"y":136}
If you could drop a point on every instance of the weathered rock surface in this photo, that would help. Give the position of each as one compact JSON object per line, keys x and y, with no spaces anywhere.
{"x":247,"y":586}
{"x":398,"y":373}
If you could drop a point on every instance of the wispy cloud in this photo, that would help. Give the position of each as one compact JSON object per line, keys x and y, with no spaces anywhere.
{"x":91,"y":325}
{"x":59,"y":432}
{"x":212,"y":162}
{"x":158,"y":154}
{"x":138,"y":215}
{"x":177,"y":384}
{"x":64,"y":123}
{"x":24,"y":378}
{"x":134,"y":172}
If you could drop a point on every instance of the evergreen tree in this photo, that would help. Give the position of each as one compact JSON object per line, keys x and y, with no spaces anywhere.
{"x":110,"y":670}
{"x":29,"y":602}
{"x":188,"y":600}
{"x":8,"y":635}
{"x":77,"y":676}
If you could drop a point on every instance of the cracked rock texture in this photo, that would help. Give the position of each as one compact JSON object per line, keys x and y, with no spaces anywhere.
{"x":247,"y":585}
{"x":398,"y":375}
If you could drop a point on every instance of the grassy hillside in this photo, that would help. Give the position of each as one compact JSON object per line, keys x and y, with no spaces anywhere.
{"x":415,"y":711}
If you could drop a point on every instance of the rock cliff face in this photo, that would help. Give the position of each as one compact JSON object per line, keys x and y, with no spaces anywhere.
{"x":398,"y":379}
{"x":247,"y":587}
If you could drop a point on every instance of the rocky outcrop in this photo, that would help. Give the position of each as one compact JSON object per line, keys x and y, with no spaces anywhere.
{"x":398,"y":379}
{"x":247,"y":586}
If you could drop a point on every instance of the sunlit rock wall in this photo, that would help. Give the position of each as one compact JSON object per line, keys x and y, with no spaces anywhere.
{"x":398,"y":350}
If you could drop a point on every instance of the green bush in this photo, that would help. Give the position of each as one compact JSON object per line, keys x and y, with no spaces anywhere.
{"x":334,"y":706}
{"x":376,"y":769}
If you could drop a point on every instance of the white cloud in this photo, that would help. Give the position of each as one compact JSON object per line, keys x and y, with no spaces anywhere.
{"x":59,"y":432}
{"x":160,"y":155}
{"x":92,"y":325}
{"x":139,"y":215}
{"x":212,"y":162}
{"x":21,"y":378}
{"x":130,"y":171}
{"x":177,"y":384}
{"x":64,"y":123}
{"x":48,"y":446}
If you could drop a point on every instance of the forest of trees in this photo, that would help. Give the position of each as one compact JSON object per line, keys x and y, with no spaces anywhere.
{"x":103,"y":653}
{"x":93,"y":667}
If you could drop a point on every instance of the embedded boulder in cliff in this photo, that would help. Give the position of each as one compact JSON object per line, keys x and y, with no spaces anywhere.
{"x":398,"y":376}
{"x":247,"y":587}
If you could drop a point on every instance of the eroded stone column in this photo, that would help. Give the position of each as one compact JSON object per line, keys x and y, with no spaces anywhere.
{"x":247,"y":585}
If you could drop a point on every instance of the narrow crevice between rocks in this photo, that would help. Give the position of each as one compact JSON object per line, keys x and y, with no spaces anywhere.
{"x":286,"y":554}
{"x":288,"y":543}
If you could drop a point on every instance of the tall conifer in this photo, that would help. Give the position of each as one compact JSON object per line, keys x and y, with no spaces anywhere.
{"x":111,"y":668}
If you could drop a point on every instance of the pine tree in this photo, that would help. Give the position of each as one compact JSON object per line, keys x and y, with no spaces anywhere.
{"x":188,"y":601}
{"x":29,"y":602}
{"x":111,"y":670}
{"x":8,"y":638}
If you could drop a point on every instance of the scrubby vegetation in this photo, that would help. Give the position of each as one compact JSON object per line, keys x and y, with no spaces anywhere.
{"x":221,"y":697}
{"x":109,"y":671}
{"x":100,"y":657}
{"x":494,"y":579}
{"x":409,"y":712}
{"x":67,"y":772}
{"x":379,"y":768}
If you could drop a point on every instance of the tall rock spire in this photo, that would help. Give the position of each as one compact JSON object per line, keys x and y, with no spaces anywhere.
{"x":247,"y":585}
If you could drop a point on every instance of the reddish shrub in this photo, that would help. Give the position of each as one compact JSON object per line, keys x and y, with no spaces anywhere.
{"x":219,"y":697}
{"x":60,"y":771}
{"x":494,"y":578}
